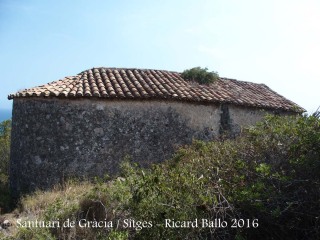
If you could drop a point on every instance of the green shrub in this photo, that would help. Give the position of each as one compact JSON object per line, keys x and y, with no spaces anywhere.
{"x":269,"y":177}
{"x":118,"y":235}
{"x":5,"y":134}
{"x":200,"y":75}
{"x":282,"y":177}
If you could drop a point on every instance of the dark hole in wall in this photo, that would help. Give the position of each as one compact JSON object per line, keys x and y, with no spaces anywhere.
{"x":225,"y":124}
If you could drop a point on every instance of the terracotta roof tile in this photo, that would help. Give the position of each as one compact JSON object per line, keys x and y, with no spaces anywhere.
{"x":157,"y":84}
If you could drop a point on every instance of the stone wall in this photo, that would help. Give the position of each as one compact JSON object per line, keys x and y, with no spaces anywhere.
{"x":53,"y":139}
{"x":242,"y":116}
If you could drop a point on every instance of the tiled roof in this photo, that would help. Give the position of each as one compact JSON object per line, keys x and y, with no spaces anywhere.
{"x":120,"y":83}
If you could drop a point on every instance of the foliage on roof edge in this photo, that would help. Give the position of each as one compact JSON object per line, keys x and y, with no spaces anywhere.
{"x":200,"y":75}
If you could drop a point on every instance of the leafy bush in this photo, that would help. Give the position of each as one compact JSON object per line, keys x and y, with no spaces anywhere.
{"x":200,"y":75}
{"x":282,"y":157}
{"x":5,"y":133}
{"x":269,"y":177}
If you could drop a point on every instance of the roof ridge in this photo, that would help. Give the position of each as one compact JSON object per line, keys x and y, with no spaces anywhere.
{"x":243,"y":81}
{"x":129,"y":68}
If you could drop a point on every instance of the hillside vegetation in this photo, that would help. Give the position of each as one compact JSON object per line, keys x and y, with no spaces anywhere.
{"x":264,"y":184}
{"x":5,"y":131}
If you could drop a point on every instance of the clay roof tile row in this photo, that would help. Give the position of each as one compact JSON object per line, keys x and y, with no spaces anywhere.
{"x":158,"y":84}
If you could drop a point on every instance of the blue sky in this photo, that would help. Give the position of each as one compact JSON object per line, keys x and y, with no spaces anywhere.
{"x":271,"y":42}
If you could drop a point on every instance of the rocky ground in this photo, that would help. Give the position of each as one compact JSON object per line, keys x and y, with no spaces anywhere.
{"x":8,"y":224}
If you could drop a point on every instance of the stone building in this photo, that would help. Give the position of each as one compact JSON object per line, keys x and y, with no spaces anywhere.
{"x":85,"y":125}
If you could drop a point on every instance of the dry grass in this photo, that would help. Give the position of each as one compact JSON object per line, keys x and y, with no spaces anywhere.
{"x":35,"y":205}
{"x":70,"y":194}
